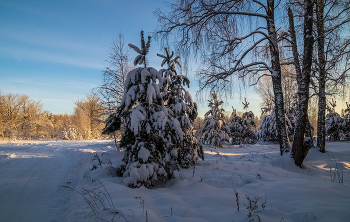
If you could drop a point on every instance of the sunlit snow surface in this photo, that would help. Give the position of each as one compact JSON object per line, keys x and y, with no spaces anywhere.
{"x":32,"y":175}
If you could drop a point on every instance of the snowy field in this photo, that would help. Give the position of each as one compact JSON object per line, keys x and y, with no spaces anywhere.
{"x":35,"y":176}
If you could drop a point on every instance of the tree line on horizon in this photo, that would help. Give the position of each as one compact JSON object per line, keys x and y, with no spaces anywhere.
{"x":24,"y":118}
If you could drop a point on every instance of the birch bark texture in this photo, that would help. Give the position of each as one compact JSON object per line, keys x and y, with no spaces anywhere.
{"x":301,"y":145}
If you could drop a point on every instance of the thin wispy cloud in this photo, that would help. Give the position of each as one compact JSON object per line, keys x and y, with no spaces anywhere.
{"x":45,"y":38}
{"x":39,"y":55}
{"x":42,"y":80}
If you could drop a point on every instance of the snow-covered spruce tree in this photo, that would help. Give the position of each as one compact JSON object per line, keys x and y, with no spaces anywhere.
{"x":71,"y":133}
{"x":249,"y":127}
{"x":215,"y":130}
{"x":346,"y":122}
{"x":242,"y":128}
{"x":334,"y":124}
{"x":183,"y":145}
{"x":268,"y":129}
{"x":236,"y":128}
{"x":146,"y":119}
{"x":248,"y":124}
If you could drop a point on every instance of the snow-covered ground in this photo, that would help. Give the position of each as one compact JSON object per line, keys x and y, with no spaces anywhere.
{"x":32,"y":176}
{"x":32,"y":173}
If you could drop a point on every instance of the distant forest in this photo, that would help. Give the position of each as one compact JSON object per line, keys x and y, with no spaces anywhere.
{"x":24,"y":118}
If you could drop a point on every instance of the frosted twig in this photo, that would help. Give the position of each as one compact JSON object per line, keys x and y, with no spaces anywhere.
{"x":186,"y":211}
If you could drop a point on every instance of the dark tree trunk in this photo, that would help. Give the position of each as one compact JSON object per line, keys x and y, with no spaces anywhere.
{"x":294,"y":46}
{"x":308,"y":132}
{"x":298,"y":71}
{"x":115,"y":139}
{"x":321,"y":120}
{"x":300,"y":146}
{"x":276,"y":80}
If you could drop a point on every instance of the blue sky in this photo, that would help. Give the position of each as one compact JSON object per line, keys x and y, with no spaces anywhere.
{"x":55,"y":51}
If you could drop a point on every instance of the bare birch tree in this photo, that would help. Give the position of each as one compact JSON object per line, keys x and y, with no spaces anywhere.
{"x":113,"y":78}
{"x":21,"y":117}
{"x":89,"y":112}
{"x":227,"y":33}
{"x":12,"y":106}
{"x":300,"y":146}
{"x":30,"y":122}
{"x":332,"y":65}
{"x":265,"y":89}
